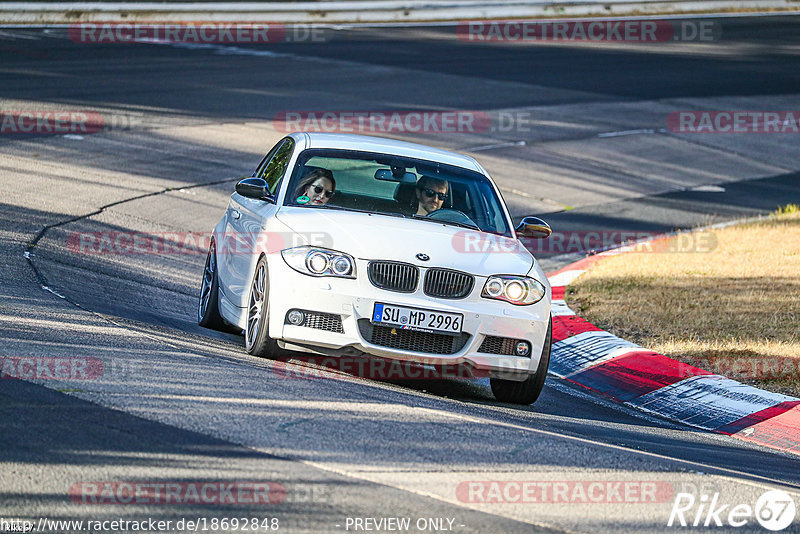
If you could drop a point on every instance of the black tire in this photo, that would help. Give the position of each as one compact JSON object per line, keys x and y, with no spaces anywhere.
{"x":256,"y":332}
{"x":527,"y":391}
{"x":208,"y":315}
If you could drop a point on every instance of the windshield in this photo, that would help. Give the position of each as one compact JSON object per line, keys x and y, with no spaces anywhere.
{"x":396,"y":186}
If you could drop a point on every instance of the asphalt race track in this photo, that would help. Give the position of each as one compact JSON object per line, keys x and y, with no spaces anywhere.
{"x":589,"y":149}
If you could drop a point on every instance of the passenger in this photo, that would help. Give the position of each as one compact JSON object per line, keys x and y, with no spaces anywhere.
{"x":318,"y":186}
{"x":431,"y":194}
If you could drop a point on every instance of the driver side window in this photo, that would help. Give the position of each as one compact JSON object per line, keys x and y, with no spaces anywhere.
{"x":273,"y":167}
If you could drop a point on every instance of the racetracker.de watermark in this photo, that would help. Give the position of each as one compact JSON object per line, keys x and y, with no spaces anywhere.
{"x":187,"y":493}
{"x":734,"y":122}
{"x":583,"y":241}
{"x":373,"y":368}
{"x":190,"y":243}
{"x":194,"y":33}
{"x":630,"y":31}
{"x":62,"y":122}
{"x":68,"y":368}
{"x":399,"y":122}
{"x":564,"y":491}
{"x":754,"y":367}
{"x":51,"y":368}
{"x":50,"y":122}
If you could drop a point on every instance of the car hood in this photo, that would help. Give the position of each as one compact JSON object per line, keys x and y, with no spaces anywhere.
{"x":379,"y":237}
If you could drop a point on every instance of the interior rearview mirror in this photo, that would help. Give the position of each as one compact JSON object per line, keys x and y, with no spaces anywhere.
{"x":388,"y":176}
{"x":533,"y":228}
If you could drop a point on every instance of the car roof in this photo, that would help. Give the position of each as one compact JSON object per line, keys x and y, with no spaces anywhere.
{"x":383,"y":145}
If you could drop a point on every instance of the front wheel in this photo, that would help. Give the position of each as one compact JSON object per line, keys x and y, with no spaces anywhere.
{"x":208,"y":314}
{"x":256,"y":334}
{"x":527,"y":391}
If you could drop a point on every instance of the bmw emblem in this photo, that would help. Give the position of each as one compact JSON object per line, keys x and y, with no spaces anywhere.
{"x":423,"y":257}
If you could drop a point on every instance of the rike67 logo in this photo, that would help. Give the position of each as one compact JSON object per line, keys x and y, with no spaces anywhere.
{"x":774,"y":510}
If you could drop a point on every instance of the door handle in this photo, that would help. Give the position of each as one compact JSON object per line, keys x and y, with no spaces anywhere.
{"x":235,"y":214}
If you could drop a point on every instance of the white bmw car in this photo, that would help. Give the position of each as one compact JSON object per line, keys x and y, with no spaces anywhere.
{"x":343,"y":245}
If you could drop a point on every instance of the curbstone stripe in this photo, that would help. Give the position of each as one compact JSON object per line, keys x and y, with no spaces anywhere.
{"x":624,"y":372}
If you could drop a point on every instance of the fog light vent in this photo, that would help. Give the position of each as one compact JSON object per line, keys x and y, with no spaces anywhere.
{"x":506,"y":346}
{"x":319,"y":320}
{"x":295,"y":317}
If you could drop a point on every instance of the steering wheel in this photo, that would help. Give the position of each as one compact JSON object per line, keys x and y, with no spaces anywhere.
{"x":451,"y":215}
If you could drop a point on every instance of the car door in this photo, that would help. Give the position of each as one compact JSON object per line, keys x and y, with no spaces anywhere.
{"x":246,"y":218}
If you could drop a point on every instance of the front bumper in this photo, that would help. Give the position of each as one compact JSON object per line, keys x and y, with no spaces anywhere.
{"x":353,"y":300}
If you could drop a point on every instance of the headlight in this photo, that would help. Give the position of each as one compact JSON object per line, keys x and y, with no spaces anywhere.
{"x":494,"y":288}
{"x":519,"y":290}
{"x":316,"y":261}
{"x":341,"y":265}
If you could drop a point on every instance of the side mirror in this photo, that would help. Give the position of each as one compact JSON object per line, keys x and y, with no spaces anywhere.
{"x":533,"y":228}
{"x":254,"y":188}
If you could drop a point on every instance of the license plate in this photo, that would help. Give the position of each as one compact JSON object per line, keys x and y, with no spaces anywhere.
{"x":417,"y":319}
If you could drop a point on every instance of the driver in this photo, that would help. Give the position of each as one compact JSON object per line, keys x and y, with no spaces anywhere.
{"x":431,"y":194}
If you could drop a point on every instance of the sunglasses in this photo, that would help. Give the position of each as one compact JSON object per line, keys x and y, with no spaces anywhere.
{"x":430,"y":193}
{"x":318,"y":190}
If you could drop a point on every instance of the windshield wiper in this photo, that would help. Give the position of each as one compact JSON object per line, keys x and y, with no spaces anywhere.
{"x":369,"y":212}
{"x":472,"y":226}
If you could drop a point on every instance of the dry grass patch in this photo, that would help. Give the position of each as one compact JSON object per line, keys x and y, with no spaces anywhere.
{"x":733,"y":309}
